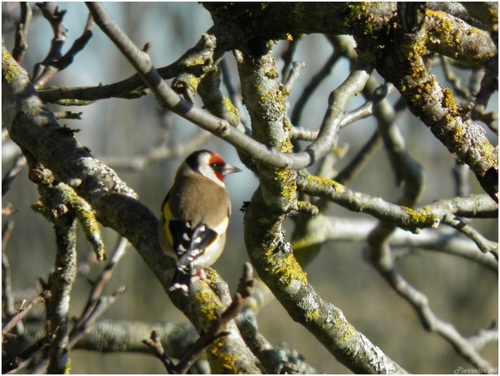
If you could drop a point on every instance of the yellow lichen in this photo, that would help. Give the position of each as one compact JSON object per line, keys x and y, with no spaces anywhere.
{"x":207,"y":308}
{"x":317,"y":180}
{"x":288,"y":269}
{"x":272,"y":74}
{"x":233,"y":116}
{"x":447,"y":33}
{"x":313,"y":315}
{"x":220,"y":360}
{"x":286,"y":146}
{"x":420,"y":218}
{"x":307,"y":207}
{"x":9,"y":65}
{"x":195,"y":60}
{"x":450,"y":103}
{"x":286,"y":179}
{"x":193,"y":82}
{"x":349,"y":331}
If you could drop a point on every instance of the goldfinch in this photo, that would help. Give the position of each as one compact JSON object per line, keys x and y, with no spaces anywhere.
{"x":195,"y":215}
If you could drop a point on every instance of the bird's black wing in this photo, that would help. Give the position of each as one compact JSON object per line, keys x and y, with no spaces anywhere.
{"x":188,"y":243}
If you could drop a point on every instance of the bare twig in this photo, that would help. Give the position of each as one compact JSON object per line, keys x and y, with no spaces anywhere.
{"x":312,"y":86}
{"x":102,"y":305}
{"x":52,"y":14}
{"x":15,"y":362}
{"x":362,"y":112}
{"x":7,"y":229}
{"x":7,"y":295}
{"x":288,"y":53}
{"x":21,"y":43}
{"x":262,"y":349}
{"x":484,"y":337}
{"x":461,"y":175}
{"x":453,"y":79}
{"x":55,"y":61}
{"x":24,"y":311}
{"x":359,"y":161}
{"x":432,"y":322}
{"x":82,"y":324}
{"x":483,"y":244}
{"x":156,"y":346}
{"x":11,"y":174}
{"x":293,"y":75}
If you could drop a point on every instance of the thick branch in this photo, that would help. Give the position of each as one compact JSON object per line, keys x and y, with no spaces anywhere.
{"x":404,"y":66}
{"x":270,"y":254}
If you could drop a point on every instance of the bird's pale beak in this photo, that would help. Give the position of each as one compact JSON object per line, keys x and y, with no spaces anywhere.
{"x":228,"y":169}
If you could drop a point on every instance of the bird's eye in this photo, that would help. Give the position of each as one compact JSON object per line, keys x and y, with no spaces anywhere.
{"x":217,"y":166}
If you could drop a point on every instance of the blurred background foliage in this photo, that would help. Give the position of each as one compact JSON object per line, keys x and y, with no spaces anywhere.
{"x":461,"y":292}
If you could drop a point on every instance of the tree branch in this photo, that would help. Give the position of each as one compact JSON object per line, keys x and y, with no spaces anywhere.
{"x":21,"y":42}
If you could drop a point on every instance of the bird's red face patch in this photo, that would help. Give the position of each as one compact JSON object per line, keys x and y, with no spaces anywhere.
{"x":217,"y":164}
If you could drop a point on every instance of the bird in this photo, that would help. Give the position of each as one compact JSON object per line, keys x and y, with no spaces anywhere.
{"x":195,"y":216}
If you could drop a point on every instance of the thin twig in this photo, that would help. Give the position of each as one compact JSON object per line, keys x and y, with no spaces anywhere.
{"x":24,"y":311}
{"x":54,"y":62}
{"x":293,"y":75}
{"x":453,"y":79}
{"x":360,"y":160}
{"x":55,"y":17}
{"x":367,"y":109}
{"x":15,"y":362}
{"x":483,"y":244}
{"x":7,"y":295}
{"x":484,"y":337}
{"x":11,"y":174}
{"x":98,"y":286}
{"x":433,"y":323}
{"x":267,"y":355}
{"x":461,"y":175}
{"x":156,"y":346}
{"x":312,"y":86}
{"x":21,"y":38}
{"x":101,"y":305}
{"x":288,"y":53}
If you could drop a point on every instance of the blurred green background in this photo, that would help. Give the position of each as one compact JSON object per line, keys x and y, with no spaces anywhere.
{"x":460,"y":292}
